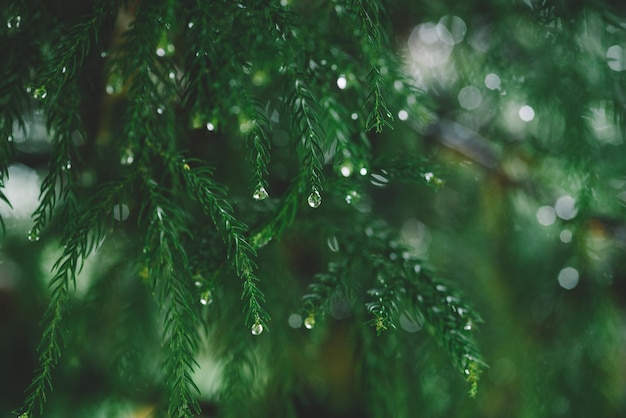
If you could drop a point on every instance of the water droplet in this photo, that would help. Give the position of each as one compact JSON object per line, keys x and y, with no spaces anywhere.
{"x":260,"y":194}
{"x":24,"y":415}
{"x":363,"y":171}
{"x":342,"y":82}
{"x":10,"y":138}
{"x":63,"y":70}
{"x":33,"y":235}
{"x":159,"y":110}
{"x":309,"y":322}
{"x":468,"y":326}
{"x":190,"y":25}
{"x":172,"y":75}
{"x":40,"y":93}
{"x":346,"y":170}
{"x":67,"y":166}
{"x":441,"y":288}
{"x":467,"y":372}
{"x":429,"y":177}
{"x":352,"y":197}
{"x":206,"y":298}
{"x":315,"y":199}
{"x":160,"y":52}
{"x":257,"y":328}
{"x":210,"y":126}
{"x":14,"y":22}
{"x":127,"y":157}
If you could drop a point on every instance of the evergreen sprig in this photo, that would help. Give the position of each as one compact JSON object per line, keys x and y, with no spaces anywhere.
{"x":210,"y":196}
{"x":170,"y":279}
{"x":308,"y":127}
{"x":80,"y":239}
{"x":376,"y":107}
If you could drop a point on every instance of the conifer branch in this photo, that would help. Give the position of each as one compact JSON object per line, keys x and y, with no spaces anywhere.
{"x":451,"y":321}
{"x":376,"y":106}
{"x":170,"y":279}
{"x":81,"y":238}
{"x":307,"y":124}
{"x":65,"y":123}
{"x":210,"y":196}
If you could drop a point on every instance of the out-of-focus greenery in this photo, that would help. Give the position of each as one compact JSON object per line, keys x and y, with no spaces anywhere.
{"x":524,"y":140}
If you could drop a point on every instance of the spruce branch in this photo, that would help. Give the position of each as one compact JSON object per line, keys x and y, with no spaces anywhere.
{"x":379,"y":115}
{"x":307,"y":125}
{"x":80,"y":239}
{"x":65,"y":123}
{"x":170,"y":279}
{"x":451,"y":321}
{"x":210,"y":195}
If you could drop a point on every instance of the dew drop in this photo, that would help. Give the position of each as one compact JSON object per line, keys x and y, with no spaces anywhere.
{"x":67,"y":166}
{"x":40,"y":93}
{"x":441,"y":288}
{"x":467,"y":372}
{"x":206,"y":298}
{"x":309,"y":322}
{"x":159,"y":110}
{"x":33,"y":235}
{"x":210,"y":126}
{"x":260,"y":194}
{"x":14,"y":22}
{"x":63,"y":70}
{"x":363,"y":171}
{"x":10,"y":138}
{"x":315,"y":199}
{"x":128,"y":157}
{"x":352,"y":197}
{"x":257,"y":328}
{"x":468,"y":326}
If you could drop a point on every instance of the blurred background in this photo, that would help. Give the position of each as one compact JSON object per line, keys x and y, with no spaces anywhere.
{"x":526,"y":136}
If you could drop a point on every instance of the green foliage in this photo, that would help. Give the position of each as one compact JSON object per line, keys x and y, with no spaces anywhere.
{"x":246,"y":167}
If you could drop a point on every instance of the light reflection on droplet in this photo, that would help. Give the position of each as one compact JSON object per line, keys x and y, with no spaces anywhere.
{"x":363,"y":171}
{"x":346,"y":170}
{"x":160,"y":52}
{"x":260,"y":194}
{"x":354,"y":116}
{"x":565,"y":207}
{"x":309,"y":322}
{"x":568,"y":278}
{"x":342,"y":83}
{"x":210,"y":126}
{"x":526,"y":113}
{"x":546,"y":215}
{"x":403,"y":115}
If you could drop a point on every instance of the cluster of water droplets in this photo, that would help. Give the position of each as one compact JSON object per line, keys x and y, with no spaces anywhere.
{"x":39,"y":93}
{"x":14,"y":23}
{"x":33,"y":235}
{"x":128,"y":157}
